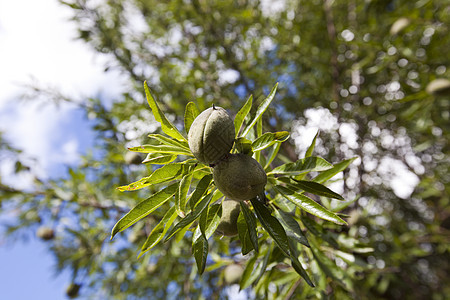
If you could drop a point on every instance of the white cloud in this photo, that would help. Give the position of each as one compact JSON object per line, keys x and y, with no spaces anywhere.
{"x":38,"y":41}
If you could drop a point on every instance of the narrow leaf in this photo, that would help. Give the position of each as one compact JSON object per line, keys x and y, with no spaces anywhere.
{"x":180,"y":203}
{"x":311,"y":147}
{"x":159,"y":230}
{"x":240,"y":116}
{"x":191,"y":217}
{"x":251,"y":225}
{"x":200,"y":251}
{"x":301,"y":166}
{"x":317,"y":189}
{"x":330,"y":268}
{"x":297,"y":265}
{"x":190,"y":114}
{"x":214,"y":215}
{"x":261,"y":109}
{"x":244,"y":235}
{"x":165,"y":173}
{"x":248,"y":271}
{"x":263,"y":266}
{"x":291,"y":226}
{"x":272,"y":225}
{"x":175,"y":150}
{"x":202,"y":222}
{"x":309,"y":205}
{"x":159,"y":158}
{"x":343,"y":205}
{"x":166,"y":125}
{"x":144,"y":208}
{"x":200,"y":189}
{"x":257,"y":155}
{"x":272,"y":154}
{"x":169,"y":141}
{"x":339,"y":167}
{"x":268,"y":139}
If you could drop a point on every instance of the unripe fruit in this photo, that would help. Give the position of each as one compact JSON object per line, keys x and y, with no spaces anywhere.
{"x":211,"y":135}
{"x":233,"y":273}
{"x":72,"y":290}
{"x":133,"y":158}
{"x":228,"y":222}
{"x":45,"y":233}
{"x":399,"y":25}
{"x":239,"y":177}
{"x":440,"y":86}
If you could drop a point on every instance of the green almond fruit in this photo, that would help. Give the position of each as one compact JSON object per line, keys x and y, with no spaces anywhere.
{"x":73,"y":290}
{"x":211,"y":135}
{"x":239,"y":177}
{"x":228,"y":222}
{"x":45,"y":233}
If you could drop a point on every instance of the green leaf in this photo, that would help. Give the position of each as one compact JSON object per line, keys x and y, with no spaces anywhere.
{"x":311,"y":147}
{"x":191,"y":217}
{"x":166,"y":126}
{"x":297,"y":265}
{"x":251,"y":225}
{"x":240,"y":116}
{"x":200,"y":251}
{"x":339,"y":167}
{"x":272,"y":225}
{"x":342,"y":205}
{"x":214,"y":215}
{"x":180,"y":200}
{"x":159,"y":230}
{"x":190,"y":114}
{"x":291,"y":226}
{"x":301,"y":166}
{"x":250,"y":273}
{"x":316,"y":188}
{"x":261,"y":109}
{"x":268,"y":139}
{"x":309,"y":205}
{"x":175,"y":150}
{"x":144,"y":208}
{"x":244,"y":234}
{"x":263,"y":265}
{"x":257,"y":155}
{"x":163,"y":174}
{"x":200,"y":189}
{"x":330,"y":268}
{"x":202,"y":222}
{"x":246,"y":279}
{"x":159,"y":158}
{"x":169,"y":141}
{"x":272,"y":154}
{"x":243,"y":145}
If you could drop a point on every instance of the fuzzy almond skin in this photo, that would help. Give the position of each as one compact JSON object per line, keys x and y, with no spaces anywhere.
{"x":228,"y":222}
{"x":239,"y":177}
{"x":211,"y":135}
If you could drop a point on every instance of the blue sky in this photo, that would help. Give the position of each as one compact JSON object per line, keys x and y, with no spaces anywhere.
{"x":37,"y":45}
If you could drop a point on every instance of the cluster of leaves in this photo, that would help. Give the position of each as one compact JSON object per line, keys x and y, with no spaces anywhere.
{"x":338,"y":57}
{"x":286,"y":190}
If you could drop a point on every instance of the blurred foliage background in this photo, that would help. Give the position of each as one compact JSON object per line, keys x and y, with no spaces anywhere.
{"x":360,"y":71}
